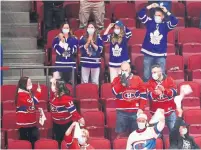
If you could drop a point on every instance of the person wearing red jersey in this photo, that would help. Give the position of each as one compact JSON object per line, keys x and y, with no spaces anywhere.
{"x":77,"y":139}
{"x":131,"y":98}
{"x":161,"y":93}
{"x":62,"y":109}
{"x":26,"y":103}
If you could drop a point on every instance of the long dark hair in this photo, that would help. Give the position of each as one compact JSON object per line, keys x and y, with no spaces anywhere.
{"x":22,"y":84}
{"x":61,"y":88}
{"x":95,"y":33}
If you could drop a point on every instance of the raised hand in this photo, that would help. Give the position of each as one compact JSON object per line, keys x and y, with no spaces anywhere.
{"x":164,"y":9}
{"x":39,"y":88}
{"x":61,"y":37}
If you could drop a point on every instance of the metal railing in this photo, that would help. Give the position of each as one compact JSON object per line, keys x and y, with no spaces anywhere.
{"x":47,"y":73}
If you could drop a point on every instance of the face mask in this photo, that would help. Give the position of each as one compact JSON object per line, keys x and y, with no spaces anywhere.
{"x":155,"y":76}
{"x":141,"y":125}
{"x":81,"y":140}
{"x":117,"y":31}
{"x":53,"y":88}
{"x":65,"y":31}
{"x":125,"y":72}
{"x":90,"y":31}
{"x":184,"y":131}
{"x":29,"y":87}
{"x":157,"y":19}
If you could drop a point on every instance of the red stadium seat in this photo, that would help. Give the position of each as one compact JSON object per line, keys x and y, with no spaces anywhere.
{"x":140,"y":4}
{"x":46,"y":144}
{"x":178,"y":9}
{"x":129,"y":22}
{"x":159,"y":143}
{"x":139,"y":63}
{"x":4,"y":140}
{"x":106,"y":91}
{"x":178,"y":76}
{"x":191,"y":103}
{"x":8,"y":92}
{"x":167,"y":143}
{"x":195,"y":130}
{"x":19,"y":144}
{"x":100,"y":143}
{"x":193,"y":12}
{"x":46,"y":129}
{"x":111,"y":124}
{"x":63,"y":145}
{"x":189,"y":49}
{"x":44,"y":91}
{"x":94,"y":123}
{"x":107,"y":21}
{"x":137,"y":36}
{"x":108,"y":11}
{"x":80,"y":32}
{"x":74,"y":23}
{"x":8,"y":106}
{"x":197,"y":76}
{"x":198,"y":141}
{"x":119,"y":10}
{"x":72,"y":10}
{"x":120,"y":143}
{"x":70,"y":87}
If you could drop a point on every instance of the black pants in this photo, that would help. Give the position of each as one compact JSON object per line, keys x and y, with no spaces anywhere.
{"x":53,"y":17}
{"x":30,"y":133}
{"x":59,"y":131}
{"x":67,"y":77}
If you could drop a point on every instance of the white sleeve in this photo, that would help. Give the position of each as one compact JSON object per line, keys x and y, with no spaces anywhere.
{"x":129,"y":142}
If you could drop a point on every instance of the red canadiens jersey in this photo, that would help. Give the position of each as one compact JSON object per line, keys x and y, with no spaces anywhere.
{"x":165,"y":101}
{"x":72,"y":143}
{"x":135,"y":93}
{"x":26,"y":108}
{"x":63,"y":110}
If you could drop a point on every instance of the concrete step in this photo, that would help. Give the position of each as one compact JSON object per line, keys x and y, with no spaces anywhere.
{"x":23,"y":56}
{"x":19,"y":43}
{"x":19,"y":30}
{"x":16,"y":6}
{"x":26,"y":72}
{"x":35,"y":79}
{"x":14,"y":17}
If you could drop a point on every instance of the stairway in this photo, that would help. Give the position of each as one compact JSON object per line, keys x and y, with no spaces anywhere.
{"x":19,"y":42}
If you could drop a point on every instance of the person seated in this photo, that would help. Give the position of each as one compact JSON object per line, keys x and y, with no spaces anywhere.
{"x":145,"y":136}
{"x":77,"y":139}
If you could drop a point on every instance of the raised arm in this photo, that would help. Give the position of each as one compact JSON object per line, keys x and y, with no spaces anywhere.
{"x":58,"y":45}
{"x":106,"y":37}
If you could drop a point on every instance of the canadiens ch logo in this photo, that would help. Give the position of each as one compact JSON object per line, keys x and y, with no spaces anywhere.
{"x":53,"y":108}
{"x":139,"y":145}
{"x":129,"y":95}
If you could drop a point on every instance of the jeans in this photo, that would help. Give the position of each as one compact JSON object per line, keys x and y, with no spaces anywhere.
{"x":149,"y":61}
{"x":126,"y":122}
{"x":170,"y":120}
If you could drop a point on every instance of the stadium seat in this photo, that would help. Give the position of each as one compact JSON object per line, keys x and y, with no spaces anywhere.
{"x":4,"y":140}
{"x":19,"y":144}
{"x":94,"y":123}
{"x":8,"y":92}
{"x":139,"y":63}
{"x":159,"y":143}
{"x":72,"y":10}
{"x":100,"y":143}
{"x":111,"y":124}
{"x":63,"y":145}
{"x":107,"y":21}
{"x":193,"y":118}
{"x":189,"y":49}
{"x":44,"y":91}
{"x":8,"y":106}
{"x":74,"y":23}
{"x":198,"y":141}
{"x":108,"y":11}
{"x":178,"y":9}
{"x":119,"y":10}
{"x":129,"y":22}
{"x":70,"y":87}
{"x":106,"y":91}
{"x":80,"y":32}
{"x":140,"y":4}
{"x":46,"y":144}
{"x":193,"y":9}
{"x":46,"y":129}
{"x":120,"y":143}
{"x":197,"y":76}
{"x":167,"y":143}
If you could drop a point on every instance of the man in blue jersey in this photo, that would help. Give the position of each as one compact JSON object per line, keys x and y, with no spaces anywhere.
{"x":154,"y":46}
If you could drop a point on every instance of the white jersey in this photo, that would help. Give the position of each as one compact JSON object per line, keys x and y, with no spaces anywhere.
{"x":144,"y":139}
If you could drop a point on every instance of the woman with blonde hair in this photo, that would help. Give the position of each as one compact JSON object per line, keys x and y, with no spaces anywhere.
{"x":118,"y":46}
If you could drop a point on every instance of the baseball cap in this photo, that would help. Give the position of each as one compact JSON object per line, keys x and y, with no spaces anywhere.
{"x":144,"y":116}
{"x":184,"y":124}
{"x":119,"y":23}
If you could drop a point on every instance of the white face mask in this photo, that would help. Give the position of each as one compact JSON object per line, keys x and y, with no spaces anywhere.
{"x":141,"y":125}
{"x":117,"y":31}
{"x":157,"y":19}
{"x":125,"y":72}
{"x":29,"y":87}
{"x":155,"y":76}
{"x":53,"y":88}
{"x":82,"y":141}
{"x":90,"y":31}
{"x":65,"y":31}
{"x":184,"y":131}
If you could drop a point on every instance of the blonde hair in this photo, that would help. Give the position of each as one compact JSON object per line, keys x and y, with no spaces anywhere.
{"x":118,"y":38}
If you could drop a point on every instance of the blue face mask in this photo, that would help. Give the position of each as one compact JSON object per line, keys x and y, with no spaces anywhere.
{"x":65,"y":31}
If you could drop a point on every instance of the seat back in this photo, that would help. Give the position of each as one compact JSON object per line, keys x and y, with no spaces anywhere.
{"x":8,"y":92}
{"x":175,"y":61}
{"x":9,"y":120}
{"x":119,"y":10}
{"x":100,"y":143}
{"x":120,"y":143}
{"x":106,"y":91}
{"x":87,"y":91}
{"x":19,"y":144}
{"x":192,"y":116}
{"x":46,"y":144}
{"x":194,"y":62}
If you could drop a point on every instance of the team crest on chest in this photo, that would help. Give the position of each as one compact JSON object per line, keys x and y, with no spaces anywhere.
{"x":155,"y":37}
{"x":116,"y":50}
{"x":129,"y":94}
{"x":53,"y":108}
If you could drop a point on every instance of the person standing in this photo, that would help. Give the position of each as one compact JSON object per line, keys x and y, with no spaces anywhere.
{"x":65,"y":45}
{"x":97,"y":8}
{"x":53,"y":15}
{"x":161,"y":92}
{"x":118,"y":46}
{"x":26,"y":103}
{"x":62,"y":109}
{"x":154,"y":46}
{"x":91,"y":47}
{"x":131,"y":98}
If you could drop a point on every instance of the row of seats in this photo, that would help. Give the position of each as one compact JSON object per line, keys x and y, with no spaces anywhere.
{"x":98,"y":125}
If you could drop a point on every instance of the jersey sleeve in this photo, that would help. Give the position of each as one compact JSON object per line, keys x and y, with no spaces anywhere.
{"x":128,"y":33}
{"x":151,"y":95}
{"x":106,"y":38}
{"x":143,"y":94}
{"x":143,"y":16}
{"x":129,"y":142}
{"x":100,"y":44}
{"x":171,"y":91}
{"x":36,"y":97}
{"x":58,"y":46}
{"x":82,"y":42}
{"x":117,"y":87}
{"x":74,"y":45}
{"x":69,"y":140}
{"x":172,"y":23}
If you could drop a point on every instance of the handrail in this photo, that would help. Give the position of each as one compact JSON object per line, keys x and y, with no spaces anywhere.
{"x":47,"y":73}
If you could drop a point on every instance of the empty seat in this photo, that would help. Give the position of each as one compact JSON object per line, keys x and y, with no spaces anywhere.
{"x":159,"y":143}
{"x":70,"y":87}
{"x":129,"y":22}
{"x":72,"y":10}
{"x":108,"y":11}
{"x":99,"y":143}
{"x":106,"y":91}
{"x":46,"y":144}
{"x":120,"y":143}
{"x":139,"y":63}
{"x":8,"y":106}
{"x":111,"y":124}
{"x":19,"y":144}
{"x":94,"y":123}
{"x":193,"y":13}
{"x":119,"y":10}
{"x":80,"y":32}
{"x":197,"y":76}
{"x":8,"y":92}
{"x":74,"y":23}
{"x":198,"y":141}
{"x":178,"y":9}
